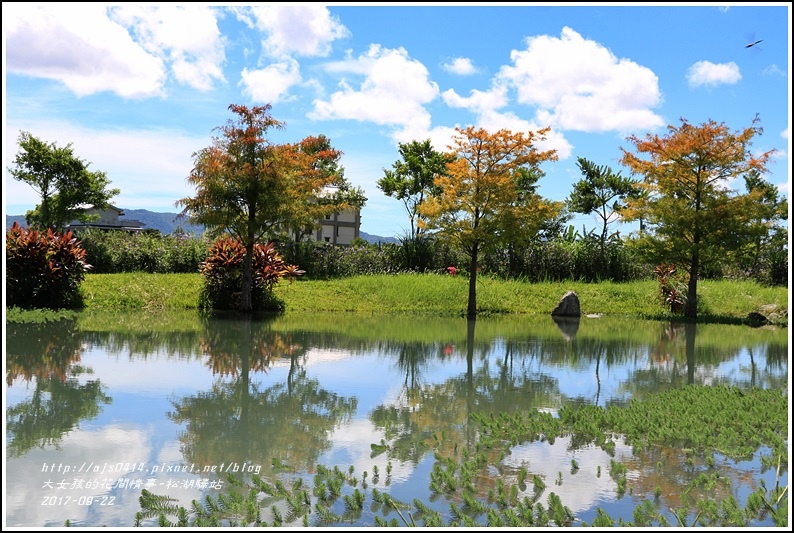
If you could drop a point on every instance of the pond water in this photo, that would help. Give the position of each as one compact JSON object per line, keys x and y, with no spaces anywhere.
{"x":104,"y":406}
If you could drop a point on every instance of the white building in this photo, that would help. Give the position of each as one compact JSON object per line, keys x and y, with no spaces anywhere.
{"x":339,"y":228}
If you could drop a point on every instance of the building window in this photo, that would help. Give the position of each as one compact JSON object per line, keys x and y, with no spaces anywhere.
{"x":327,"y":217}
{"x":328,"y":239}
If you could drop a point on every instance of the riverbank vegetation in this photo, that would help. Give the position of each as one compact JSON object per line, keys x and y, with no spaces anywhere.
{"x":441,"y":295}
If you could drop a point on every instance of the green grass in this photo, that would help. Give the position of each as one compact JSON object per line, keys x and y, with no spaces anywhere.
{"x":141,"y":290}
{"x":443,"y":295}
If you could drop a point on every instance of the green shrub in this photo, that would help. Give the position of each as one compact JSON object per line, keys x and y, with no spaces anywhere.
{"x":43,"y":270}
{"x":222,"y":272}
{"x":112,"y":252}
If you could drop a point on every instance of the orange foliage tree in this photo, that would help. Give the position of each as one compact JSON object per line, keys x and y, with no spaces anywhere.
{"x":485,"y":196}
{"x":692,"y":213}
{"x":253,"y":189}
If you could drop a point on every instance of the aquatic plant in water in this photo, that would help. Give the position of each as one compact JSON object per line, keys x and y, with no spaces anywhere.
{"x":703,"y":421}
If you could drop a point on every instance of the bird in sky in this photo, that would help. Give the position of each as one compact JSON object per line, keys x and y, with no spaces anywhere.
{"x":753,"y":43}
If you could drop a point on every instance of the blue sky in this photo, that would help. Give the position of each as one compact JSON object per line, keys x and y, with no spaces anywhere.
{"x":138,"y":88}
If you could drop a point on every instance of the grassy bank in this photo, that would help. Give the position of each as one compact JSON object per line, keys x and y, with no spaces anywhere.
{"x":442,"y":295}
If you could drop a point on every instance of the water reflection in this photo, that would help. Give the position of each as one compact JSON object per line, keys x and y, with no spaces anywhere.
{"x":172,"y":402}
{"x":248,"y":423}
{"x":46,"y":358}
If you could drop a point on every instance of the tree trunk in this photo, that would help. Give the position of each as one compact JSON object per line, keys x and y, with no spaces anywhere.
{"x":471,"y":310}
{"x":248,"y":277}
{"x":691,"y":308}
{"x":603,"y":240}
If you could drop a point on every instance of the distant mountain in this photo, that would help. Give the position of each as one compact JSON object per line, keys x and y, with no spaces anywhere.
{"x":374,"y":239}
{"x":19,"y":219}
{"x":166,"y":223}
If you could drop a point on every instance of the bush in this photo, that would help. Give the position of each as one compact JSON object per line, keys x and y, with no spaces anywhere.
{"x":223,"y":276}
{"x":112,"y":252}
{"x":43,"y":270}
{"x":672,"y":288}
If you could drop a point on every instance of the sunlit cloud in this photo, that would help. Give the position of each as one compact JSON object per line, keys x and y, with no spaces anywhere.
{"x":578,"y":84}
{"x":291,"y":29}
{"x":271,"y":84}
{"x":393,"y":91}
{"x":127,"y":50}
{"x":706,"y":73}
{"x":462,"y":66}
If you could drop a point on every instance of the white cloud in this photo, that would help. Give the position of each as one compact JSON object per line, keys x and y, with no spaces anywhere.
{"x":187,"y":37}
{"x":581,"y":490}
{"x":28,"y":477}
{"x":773,"y":70}
{"x":270,"y":84}
{"x":303,"y":30}
{"x":83,"y":49}
{"x":713,"y":74}
{"x":354,"y":440}
{"x":461,"y":66}
{"x":128,"y":50}
{"x":578,"y":84}
{"x":479,"y":101}
{"x":440,"y":137}
{"x":393,"y":92}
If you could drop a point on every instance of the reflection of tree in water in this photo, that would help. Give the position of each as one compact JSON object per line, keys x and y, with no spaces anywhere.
{"x":438,"y":417}
{"x":410,"y":358}
{"x":667,"y":469}
{"x":237,"y":422}
{"x":47,"y":354}
{"x":679,"y":359}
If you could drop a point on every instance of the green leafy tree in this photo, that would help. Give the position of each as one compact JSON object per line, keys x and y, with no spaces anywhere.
{"x":411,"y":178}
{"x":765,"y":236}
{"x":483,"y":199}
{"x":62,"y":180}
{"x":693,"y":217}
{"x":254,"y":189}
{"x":595,"y":193}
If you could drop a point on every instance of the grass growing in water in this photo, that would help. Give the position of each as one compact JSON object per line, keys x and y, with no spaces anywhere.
{"x":760,"y":420}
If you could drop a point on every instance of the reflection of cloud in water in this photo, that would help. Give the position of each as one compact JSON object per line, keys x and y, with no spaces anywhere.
{"x":351,"y":446}
{"x":580,"y":491}
{"x":318,"y":356}
{"x":105,"y":448}
{"x":157,"y":374}
{"x":26,"y":478}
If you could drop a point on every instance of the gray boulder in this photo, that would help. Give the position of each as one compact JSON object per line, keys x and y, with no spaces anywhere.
{"x":568,"y":306}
